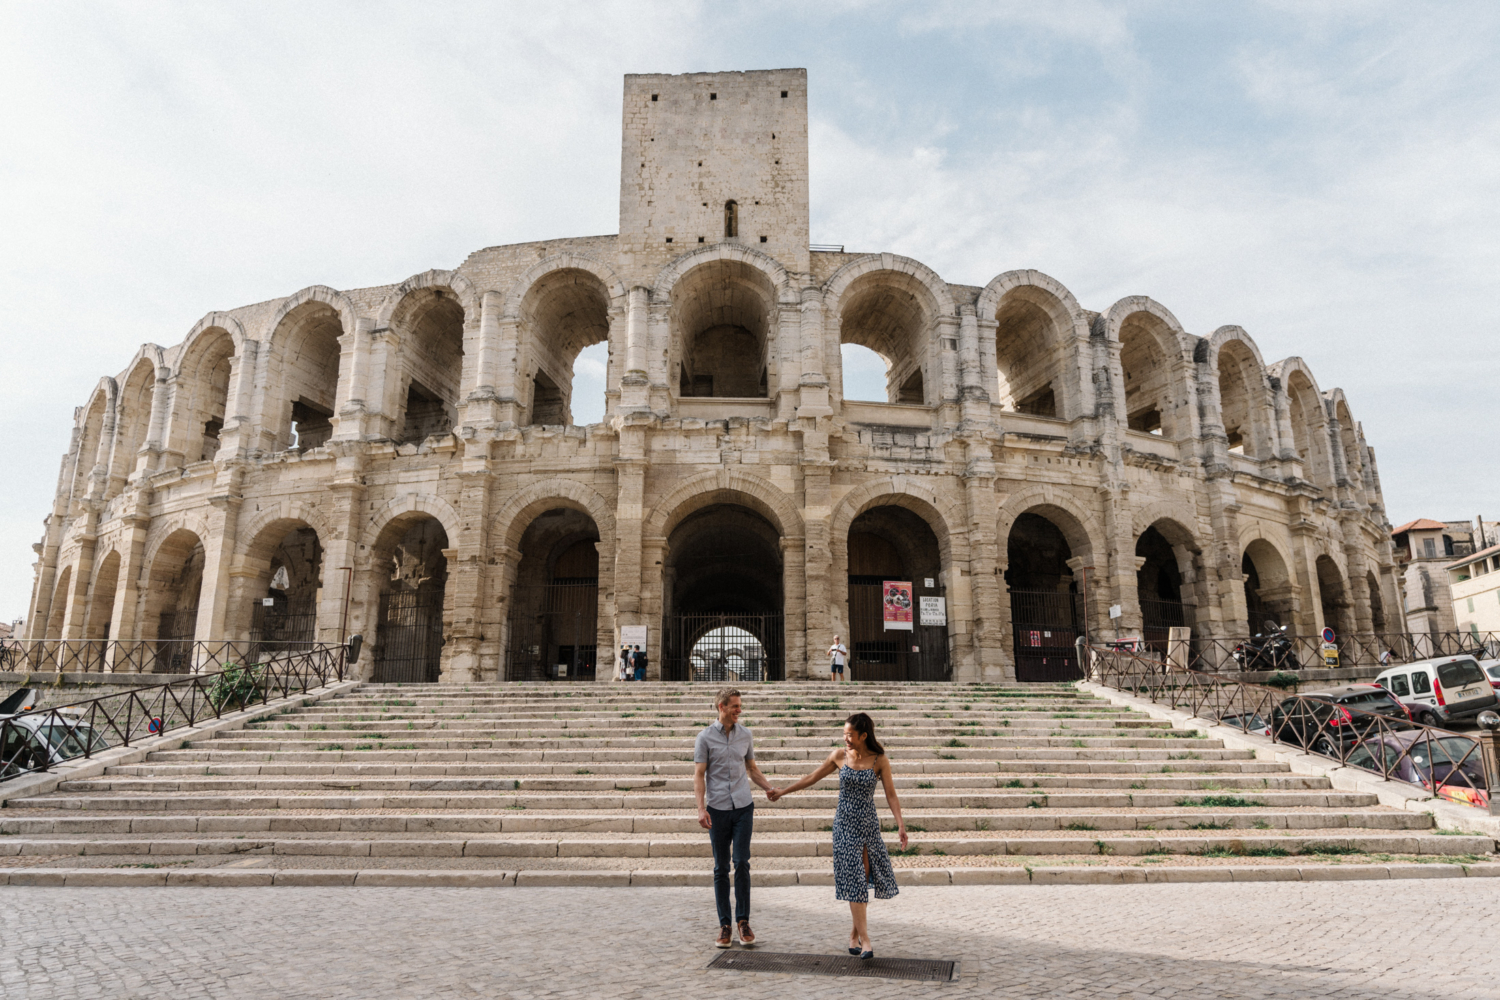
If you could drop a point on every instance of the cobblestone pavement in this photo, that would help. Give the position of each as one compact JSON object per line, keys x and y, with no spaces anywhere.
{"x":1334,"y":941}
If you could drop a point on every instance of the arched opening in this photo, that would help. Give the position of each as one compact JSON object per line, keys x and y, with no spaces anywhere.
{"x":1377,"y":606}
{"x":88,"y":444}
{"x":564,"y":314}
{"x":1242,"y":401}
{"x":174,"y":585}
{"x":865,"y":373}
{"x":432,"y":354}
{"x":132,"y":424}
{"x":307,"y":349}
{"x":1028,"y":335}
{"x":1268,"y":591}
{"x":553,"y":629}
{"x":201,"y":396}
{"x":100,"y":624}
{"x":1046,"y":613}
{"x":890,"y":313}
{"x":1349,"y":441}
{"x":1309,"y":428}
{"x":722,"y":571}
{"x":723,"y":315}
{"x":1149,"y":359}
{"x":413,"y":573}
{"x":58,"y":612}
{"x":888,"y":640}
{"x":1334,"y":598}
{"x":1164,"y":588}
{"x":287,"y":587}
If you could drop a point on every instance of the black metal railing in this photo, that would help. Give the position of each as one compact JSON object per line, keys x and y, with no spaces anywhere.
{"x":36,"y":739}
{"x":136,"y":656}
{"x":1455,"y":766}
{"x":720,"y":647}
{"x":1372,"y":651}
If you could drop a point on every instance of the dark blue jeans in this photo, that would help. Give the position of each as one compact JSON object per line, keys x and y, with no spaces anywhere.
{"x":731,"y":833}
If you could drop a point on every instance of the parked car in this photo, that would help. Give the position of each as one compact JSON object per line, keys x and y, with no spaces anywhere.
{"x":1448,"y":688}
{"x":32,"y":740}
{"x":1250,"y":722}
{"x":1331,"y":720}
{"x":1452,"y":763}
{"x":1491,"y":669}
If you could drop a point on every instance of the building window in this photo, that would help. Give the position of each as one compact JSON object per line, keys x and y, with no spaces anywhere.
{"x":731,"y":219}
{"x":1471,"y":604}
{"x":1429,"y":547}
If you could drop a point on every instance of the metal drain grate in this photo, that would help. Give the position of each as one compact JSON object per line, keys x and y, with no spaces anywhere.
{"x":921,"y":969}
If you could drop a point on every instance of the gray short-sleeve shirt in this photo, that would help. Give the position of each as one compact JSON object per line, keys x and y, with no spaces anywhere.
{"x":726,"y":782}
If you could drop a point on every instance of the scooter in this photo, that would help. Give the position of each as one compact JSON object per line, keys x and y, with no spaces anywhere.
{"x":1268,"y":650}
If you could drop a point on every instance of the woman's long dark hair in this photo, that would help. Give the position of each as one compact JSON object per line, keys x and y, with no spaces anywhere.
{"x":865,"y":726}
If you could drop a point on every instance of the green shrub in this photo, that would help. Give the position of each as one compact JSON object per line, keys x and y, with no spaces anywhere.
{"x":1284,"y":680}
{"x":235,"y":687}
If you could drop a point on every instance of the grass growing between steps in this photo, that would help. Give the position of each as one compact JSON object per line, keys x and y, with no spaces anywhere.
{"x":1221,"y":802}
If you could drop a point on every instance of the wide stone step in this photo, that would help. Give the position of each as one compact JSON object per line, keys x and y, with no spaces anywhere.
{"x":950,"y":760}
{"x":437,"y":845}
{"x":471,"y":728}
{"x":649,"y":800}
{"x":767,"y":747}
{"x":1047,"y":820}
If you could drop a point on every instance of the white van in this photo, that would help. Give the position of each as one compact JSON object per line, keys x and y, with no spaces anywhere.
{"x":1441,"y":690}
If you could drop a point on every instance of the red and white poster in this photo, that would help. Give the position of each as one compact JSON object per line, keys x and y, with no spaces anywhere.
{"x":896,"y":600}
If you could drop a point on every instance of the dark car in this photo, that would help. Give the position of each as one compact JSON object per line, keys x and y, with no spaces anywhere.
{"x":1330,"y":721}
{"x":1427,"y":758}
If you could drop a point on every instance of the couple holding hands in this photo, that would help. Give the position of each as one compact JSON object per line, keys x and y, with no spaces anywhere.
{"x":724,"y":759}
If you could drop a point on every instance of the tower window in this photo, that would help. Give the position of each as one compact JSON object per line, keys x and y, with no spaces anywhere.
{"x":669,"y":239}
{"x":653,"y":96}
{"x":731,"y":218}
{"x":783,"y":94}
{"x":713,"y":97}
{"x":700,"y":239}
{"x":762,"y":239}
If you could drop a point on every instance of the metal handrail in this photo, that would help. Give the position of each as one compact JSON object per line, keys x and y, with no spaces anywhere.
{"x":1308,"y":724}
{"x":36,"y":739}
{"x":1370,"y":650}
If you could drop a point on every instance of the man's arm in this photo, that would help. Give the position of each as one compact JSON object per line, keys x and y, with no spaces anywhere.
{"x":757,"y":777}
{"x":700,"y":789}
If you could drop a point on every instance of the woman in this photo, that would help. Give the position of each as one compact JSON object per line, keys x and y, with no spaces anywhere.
{"x":859,"y":855}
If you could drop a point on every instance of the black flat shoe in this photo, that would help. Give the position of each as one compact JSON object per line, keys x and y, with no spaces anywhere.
{"x":854,"y":951}
{"x":865,"y":956}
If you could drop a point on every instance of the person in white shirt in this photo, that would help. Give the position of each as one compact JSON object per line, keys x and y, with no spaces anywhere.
{"x":838,"y":655}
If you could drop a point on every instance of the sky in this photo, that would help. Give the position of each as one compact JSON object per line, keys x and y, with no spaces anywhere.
{"x":1325,"y":175}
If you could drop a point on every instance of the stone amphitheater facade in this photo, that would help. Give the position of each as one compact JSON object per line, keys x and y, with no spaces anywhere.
{"x":400,"y":461}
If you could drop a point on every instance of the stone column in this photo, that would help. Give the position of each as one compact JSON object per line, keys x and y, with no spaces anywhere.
{"x":126,"y":613}
{"x":83,"y":573}
{"x":218,"y":559}
{"x":984,"y":562}
{"x":633,"y":387}
{"x":358,"y":385}
{"x":471,"y":654}
{"x":481,"y":405}
{"x":795,"y":600}
{"x":149,"y":458}
{"x":817,"y":560}
{"x":630,"y":473}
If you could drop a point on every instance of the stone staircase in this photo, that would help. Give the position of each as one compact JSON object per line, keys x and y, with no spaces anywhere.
{"x":538,"y":777}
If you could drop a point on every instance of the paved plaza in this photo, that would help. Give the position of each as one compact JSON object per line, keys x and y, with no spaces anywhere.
{"x":1336,"y":941}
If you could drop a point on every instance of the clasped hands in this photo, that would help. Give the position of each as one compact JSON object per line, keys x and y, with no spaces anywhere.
{"x":772,"y":794}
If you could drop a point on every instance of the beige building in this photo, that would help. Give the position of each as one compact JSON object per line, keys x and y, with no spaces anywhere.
{"x":401,"y":460}
{"x":1423,"y":550}
{"x":1474,"y":584}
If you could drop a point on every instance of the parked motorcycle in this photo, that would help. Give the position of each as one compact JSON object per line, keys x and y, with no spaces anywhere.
{"x":1268,"y":650}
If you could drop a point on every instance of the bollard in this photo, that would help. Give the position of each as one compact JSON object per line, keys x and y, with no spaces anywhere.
{"x":1489,"y":749}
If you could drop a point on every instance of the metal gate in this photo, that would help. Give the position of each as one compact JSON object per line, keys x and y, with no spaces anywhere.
{"x":1045,"y":625}
{"x":1157,"y":617}
{"x":175,"y":632}
{"x":724,"y":647}
{"x":561,"y":642}
{"x":282,"y":625}
{"x":409,"y":643}
{"x":876,"y":654}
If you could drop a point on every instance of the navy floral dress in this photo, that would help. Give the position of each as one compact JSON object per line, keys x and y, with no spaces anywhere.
{"x":856,"y":829}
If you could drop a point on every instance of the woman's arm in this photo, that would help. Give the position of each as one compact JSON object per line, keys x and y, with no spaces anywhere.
{"x":824,"y":770}
{"x":888,"y":778}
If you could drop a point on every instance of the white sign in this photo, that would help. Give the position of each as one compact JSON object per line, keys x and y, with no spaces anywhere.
{"x":1114,"y":611}
{"x":269,"y":602}
{"x":933,"y":610}
{"x":928,"y":582}
{"x":634,"y":635}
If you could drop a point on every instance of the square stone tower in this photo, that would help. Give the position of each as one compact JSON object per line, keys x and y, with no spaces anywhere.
{"x":709,"y":157}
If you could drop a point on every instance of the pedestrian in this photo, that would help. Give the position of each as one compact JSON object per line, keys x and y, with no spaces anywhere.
{"x":622,"y":664}
{"x":838,"y":655}
{"x":724,"y":766}
{"x":860,"y":859}
{"x":639,"y":662}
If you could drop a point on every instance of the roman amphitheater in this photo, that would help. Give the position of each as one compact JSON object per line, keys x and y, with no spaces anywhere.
{"x":402,"y":461}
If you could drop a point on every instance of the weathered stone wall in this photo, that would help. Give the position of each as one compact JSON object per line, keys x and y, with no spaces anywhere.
{"x":1106,"y":424}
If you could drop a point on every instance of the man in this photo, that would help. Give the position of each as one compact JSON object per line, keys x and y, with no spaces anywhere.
{"x":638,"y":661}
{"x":724,"y":755}
{"x":838,"y":655}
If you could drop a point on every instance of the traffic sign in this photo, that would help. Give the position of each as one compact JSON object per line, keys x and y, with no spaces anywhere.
{"x":1328,"y":635}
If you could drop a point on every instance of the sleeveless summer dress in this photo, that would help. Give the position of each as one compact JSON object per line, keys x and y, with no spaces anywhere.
{"x":856,"y":828}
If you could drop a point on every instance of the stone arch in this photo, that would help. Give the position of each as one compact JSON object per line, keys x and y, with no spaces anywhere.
{"x":1156,"y":358}
{"x":1309,"y":420}
{"x":133,"y":425}
{"x":174,"y":590}
{"x":722,"y":317}
{"x":100,"y":624}
{"x":1035,"y":324}
{"x":97,"y":424}
{"x":1079,"y":526}
{"x":1247,"y":411}
{"x":1345,"y":440}
{"x":900,"y":491}
{"x":411,"y":503}
{"x":271,"y":536}
{"x":164,"y":527}
{"x":892,"y":305}
{"x":720,"y":487}
{"x":1270,"y":586}
{"x":561,"y":306}
{"x":668,"y":277}
{"x":513,"y":517}
{"x":285,"y":509}
{"x":57,"y":613}
{"x":1335,"y":595}
{"x":432,"y":315}
{"x":334,"y":299}
{"x":204,"y":368}
{"x":302,"y":369}
{"x":1173,"y":574}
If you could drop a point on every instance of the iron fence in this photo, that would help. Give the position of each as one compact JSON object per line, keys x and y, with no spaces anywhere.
{"x":1045,"y":626}
{"x":135,"y":656}
{"x":37,"y":738}
{"x":1368,"y":650}
{"x":724,"y":647}
{"x":1461,"y":767}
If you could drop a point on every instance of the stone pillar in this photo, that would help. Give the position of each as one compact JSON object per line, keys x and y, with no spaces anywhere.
{"x":794,"y":602}
{"x":470,"y":652}
{"x":78,"y":586}
{"x":359,"y":385}
{"x":218,"y":558}
{"x":1123,"y":565}
{"x":149,"y":458}
{"x":994,"y":666}
{"x":481,"y":405}
{"x":633,"y":387}
{"x":630,"y":478}
{"x":653,"y":603}
{"x":126,"y":613}
{"x":817,"y":561}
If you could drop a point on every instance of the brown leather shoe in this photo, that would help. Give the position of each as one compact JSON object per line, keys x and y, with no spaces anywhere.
{"x":747,"y":936}
{"x":726,"y":937}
